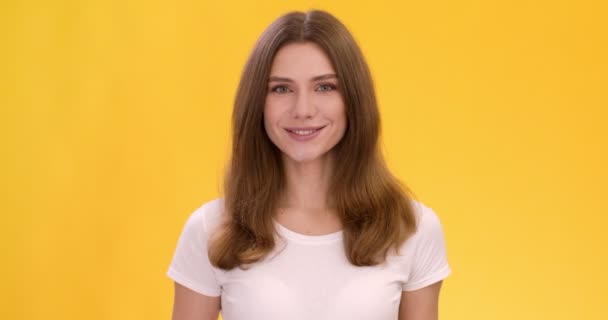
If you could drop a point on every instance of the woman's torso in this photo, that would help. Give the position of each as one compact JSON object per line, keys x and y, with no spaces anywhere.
{"x":310,"y":277}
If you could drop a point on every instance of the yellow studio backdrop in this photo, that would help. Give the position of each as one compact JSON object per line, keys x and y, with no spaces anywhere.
{"x":115,"y":127}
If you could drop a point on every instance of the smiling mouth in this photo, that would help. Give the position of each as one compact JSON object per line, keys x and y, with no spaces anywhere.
{"x":304,"y":131}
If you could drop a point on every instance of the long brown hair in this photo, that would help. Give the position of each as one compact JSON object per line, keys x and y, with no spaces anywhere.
{"x":374,"y":207}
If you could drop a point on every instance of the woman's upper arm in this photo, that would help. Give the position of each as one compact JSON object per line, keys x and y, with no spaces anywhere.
{"x":191,"y":305}
{"x":421,"y":304}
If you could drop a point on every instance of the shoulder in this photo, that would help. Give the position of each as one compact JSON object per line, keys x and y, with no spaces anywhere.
{"x":428,"y":226}
{"x":207,"y":216}
{"x":427,"y":219}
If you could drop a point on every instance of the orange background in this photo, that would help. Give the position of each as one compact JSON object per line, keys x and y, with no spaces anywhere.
{"x":115,"y":126}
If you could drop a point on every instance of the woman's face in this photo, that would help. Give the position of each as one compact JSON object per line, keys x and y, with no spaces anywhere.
{"x":304,"y":112}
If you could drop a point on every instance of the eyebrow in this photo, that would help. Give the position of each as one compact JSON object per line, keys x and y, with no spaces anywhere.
{"x":317,"y":78}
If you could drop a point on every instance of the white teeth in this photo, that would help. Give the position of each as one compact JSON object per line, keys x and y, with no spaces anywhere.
{"x":303,"y":132}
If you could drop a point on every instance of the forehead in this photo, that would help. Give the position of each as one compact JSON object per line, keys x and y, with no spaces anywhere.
{"x":301,"y":61}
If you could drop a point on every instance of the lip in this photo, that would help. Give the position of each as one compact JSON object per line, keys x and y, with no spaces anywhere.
{"x":304,"y":128}
{"x":304,"y":138}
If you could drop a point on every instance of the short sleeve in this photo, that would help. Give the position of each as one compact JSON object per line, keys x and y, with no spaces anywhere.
{"x":429,"y":263}
{"x":190,"y":266}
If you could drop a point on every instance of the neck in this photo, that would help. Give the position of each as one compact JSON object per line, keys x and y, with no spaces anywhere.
{"x":307,"y":183}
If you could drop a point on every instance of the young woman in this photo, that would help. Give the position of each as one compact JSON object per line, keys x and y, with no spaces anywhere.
{"x":312,"y":224}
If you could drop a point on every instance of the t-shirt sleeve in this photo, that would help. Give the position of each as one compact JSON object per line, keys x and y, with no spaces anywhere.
{"x":190,"y":266}
{"x":429,"y":264}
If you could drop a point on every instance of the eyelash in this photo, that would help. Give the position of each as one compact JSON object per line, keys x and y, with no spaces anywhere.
{"x":331,"y":86}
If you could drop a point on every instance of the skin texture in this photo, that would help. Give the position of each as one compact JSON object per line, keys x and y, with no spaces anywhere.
{"x":295,"y":99}
{"x":304,"y":102}
{"x":191,"y":305}
{"x":421,"y":304}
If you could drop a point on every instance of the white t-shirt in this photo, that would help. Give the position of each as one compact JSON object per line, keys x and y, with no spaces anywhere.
{"x":309,"y":277}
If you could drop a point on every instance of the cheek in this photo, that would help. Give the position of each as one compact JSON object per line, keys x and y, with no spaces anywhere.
{"x":338,"y":114}
{"x":341,"y":121}
{"x":331,"y":105}
{"x":276,"y":107}
{"x":271,"y":117}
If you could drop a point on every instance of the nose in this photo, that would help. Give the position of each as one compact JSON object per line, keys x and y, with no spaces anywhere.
{"x":304,"y":108}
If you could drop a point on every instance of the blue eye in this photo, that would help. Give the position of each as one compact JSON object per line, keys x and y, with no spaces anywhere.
{"x":328,"y":86}
{"x":322,"y":88}
{"x":278,"y":89}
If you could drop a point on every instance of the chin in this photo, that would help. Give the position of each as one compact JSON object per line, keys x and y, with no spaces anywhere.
{"x":303,"y":157}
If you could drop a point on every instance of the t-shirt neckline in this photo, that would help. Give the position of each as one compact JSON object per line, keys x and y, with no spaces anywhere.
{"x":303,"y":238}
